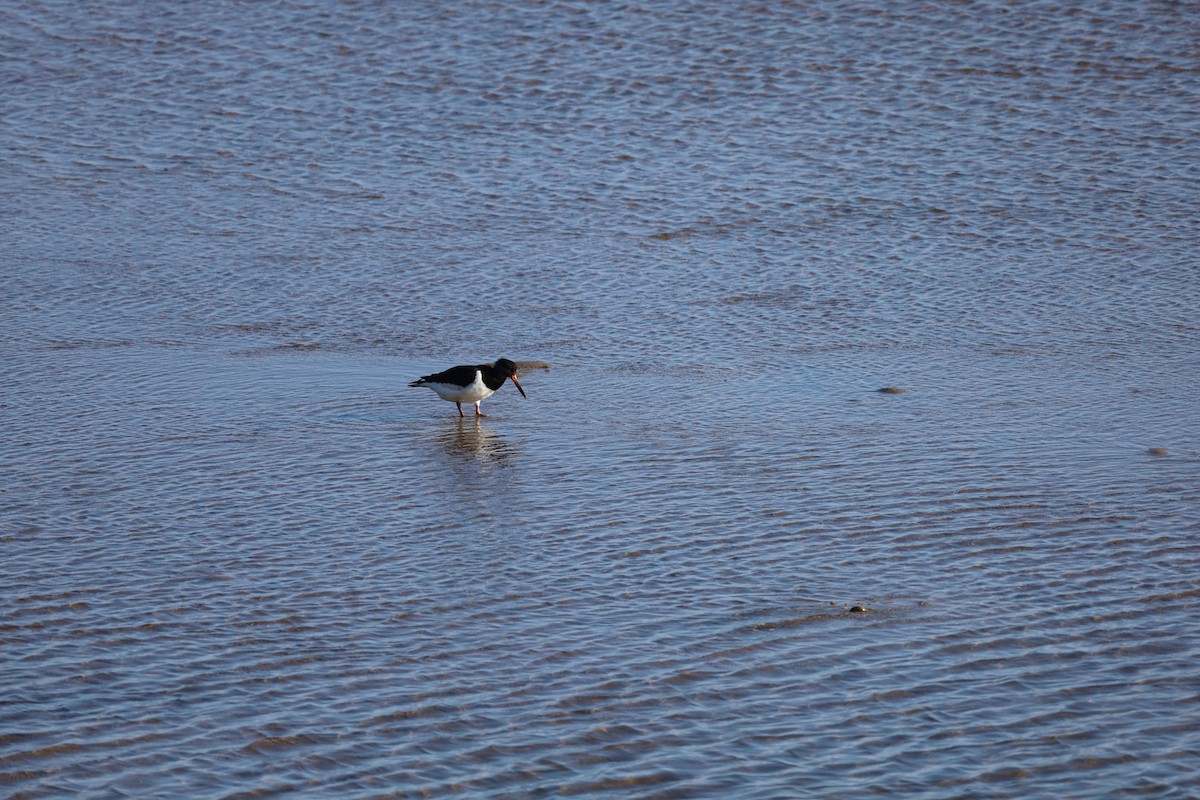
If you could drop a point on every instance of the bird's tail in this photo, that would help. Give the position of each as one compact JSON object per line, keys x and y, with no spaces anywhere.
{"x":418,"y":382}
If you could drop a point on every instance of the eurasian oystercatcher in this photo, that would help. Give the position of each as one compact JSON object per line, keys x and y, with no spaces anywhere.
{"x":467,"y":384}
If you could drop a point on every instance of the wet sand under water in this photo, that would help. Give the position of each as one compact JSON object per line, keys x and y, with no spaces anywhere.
{"x":294,"y":565}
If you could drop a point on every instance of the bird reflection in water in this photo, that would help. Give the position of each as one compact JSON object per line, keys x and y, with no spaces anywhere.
{"x":471,"y":440}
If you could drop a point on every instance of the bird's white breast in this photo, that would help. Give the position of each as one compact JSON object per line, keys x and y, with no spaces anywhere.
{"x":471,"y":393}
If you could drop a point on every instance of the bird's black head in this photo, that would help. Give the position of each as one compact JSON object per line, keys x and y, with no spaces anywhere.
{"x":509,"y":370}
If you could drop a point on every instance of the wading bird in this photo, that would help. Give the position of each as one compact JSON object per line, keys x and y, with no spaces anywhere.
{"x":471,"y":384}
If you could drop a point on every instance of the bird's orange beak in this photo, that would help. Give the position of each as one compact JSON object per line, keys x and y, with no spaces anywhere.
{"x":519,"y":389}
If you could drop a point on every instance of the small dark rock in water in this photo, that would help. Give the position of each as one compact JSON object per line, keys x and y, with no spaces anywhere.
{"x":1158,"y":451}
{"x":892,"y":390}
{"x":860,"y":609}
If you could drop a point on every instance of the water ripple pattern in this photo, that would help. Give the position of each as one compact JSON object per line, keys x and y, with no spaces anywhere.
{"x":867,"y":462}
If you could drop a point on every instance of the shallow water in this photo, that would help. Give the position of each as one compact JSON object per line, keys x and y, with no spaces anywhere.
{"x":242,"y":557}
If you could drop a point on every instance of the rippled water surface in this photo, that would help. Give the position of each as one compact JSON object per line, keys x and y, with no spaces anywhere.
{"x":706,"y":557}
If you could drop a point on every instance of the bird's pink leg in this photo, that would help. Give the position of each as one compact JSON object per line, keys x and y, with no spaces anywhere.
{"x":459,"y":406}
{"x":479,"y":413}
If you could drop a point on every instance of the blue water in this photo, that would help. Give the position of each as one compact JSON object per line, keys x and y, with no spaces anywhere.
{"x":240,"y":556}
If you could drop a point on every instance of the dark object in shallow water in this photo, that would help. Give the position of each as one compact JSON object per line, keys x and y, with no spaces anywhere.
{"x":525,"y":366}
{"x":1158,"y":451}
{"x":891,"y":390}
{"x":860,"y":609}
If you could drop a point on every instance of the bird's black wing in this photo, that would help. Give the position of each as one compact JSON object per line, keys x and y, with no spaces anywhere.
{"x":459,"y":376}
